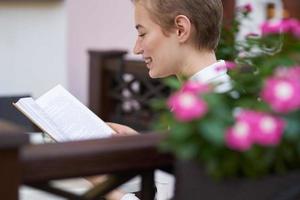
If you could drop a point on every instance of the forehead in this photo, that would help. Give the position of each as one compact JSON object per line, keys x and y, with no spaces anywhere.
{"x":142,"y":16}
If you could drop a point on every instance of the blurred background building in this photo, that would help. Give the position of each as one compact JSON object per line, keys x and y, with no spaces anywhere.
{"x":44,"y":43}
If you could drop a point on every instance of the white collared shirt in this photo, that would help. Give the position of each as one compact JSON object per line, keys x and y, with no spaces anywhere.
{"x":215,"y":73}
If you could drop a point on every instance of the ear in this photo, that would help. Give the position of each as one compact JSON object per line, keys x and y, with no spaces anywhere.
{"x":183,"y":28}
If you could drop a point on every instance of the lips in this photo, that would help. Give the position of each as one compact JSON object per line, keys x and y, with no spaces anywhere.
{"x":148,"y":60}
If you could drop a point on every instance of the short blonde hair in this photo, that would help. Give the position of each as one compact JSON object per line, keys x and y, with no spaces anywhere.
{"x":206,"y":17}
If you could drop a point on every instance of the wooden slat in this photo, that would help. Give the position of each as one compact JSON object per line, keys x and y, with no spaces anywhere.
{"x":148,"y":189}
{"x":10,"y":180}
{"x":113,"y":181}
{"x":91,"y":157}
{"x":13,"y":140}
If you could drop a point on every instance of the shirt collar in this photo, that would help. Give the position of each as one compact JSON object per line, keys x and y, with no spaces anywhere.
{"x":211,"y":72}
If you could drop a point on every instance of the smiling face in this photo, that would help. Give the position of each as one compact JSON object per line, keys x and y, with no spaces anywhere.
{"x":159,"y":50}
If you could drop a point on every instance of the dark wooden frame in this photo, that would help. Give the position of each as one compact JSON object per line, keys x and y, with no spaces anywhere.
{"x":106,"y":83}
{"x":122,"y":157}
{"x":292,"y":7}
{"x":102,"y":65}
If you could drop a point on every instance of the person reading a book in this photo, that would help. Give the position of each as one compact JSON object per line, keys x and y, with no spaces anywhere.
{"x":179,"y":37}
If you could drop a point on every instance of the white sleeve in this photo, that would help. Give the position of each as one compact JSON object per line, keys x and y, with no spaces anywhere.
{"x":129,"y":196}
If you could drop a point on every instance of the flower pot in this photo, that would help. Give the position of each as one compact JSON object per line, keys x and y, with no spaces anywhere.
{"x":193,"y":183}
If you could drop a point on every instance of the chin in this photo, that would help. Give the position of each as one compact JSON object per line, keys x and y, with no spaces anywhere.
{"x":157,"y":75}
{"x":152,"y":75}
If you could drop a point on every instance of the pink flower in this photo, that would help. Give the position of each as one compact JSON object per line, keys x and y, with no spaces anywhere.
{"x":294,"y":72}
{"x":195,"y":87}
{"x":239,"y":136}
{"x":268,"y":28}
{"x":282,"y":94}
{"x":288,"y":25}
{"x":291,"y":26}
{"x":289,"y":73}
{"x":248,"y":8}
{"x":228,"y":65}
{"x":296,"y":32}
{"x":248,"y":116}
{"x":254,"y":127}
{"x":186,"y":106}
{"x":268,"y":130}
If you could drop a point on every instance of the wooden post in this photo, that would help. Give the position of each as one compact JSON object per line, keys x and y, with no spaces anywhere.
{"x":10,"y":169}
{"x":148,"y":185}
{"x":98,"y":61}
{"x":291,"y":8}
{"x":229,"y":11}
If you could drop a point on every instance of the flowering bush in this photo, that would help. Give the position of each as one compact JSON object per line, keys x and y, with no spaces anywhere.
{"x":254,"y":128}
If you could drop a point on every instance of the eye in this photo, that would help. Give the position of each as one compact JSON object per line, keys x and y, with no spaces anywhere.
{"x":142,"y":34}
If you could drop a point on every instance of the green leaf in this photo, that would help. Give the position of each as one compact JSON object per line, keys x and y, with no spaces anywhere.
{"x":292,"y":127}
{"x":212,"y":130}
{"x":180,"y":131}
{"x":187,"y":152}
{"x":158,"y":104}
{"x":172,"y":82}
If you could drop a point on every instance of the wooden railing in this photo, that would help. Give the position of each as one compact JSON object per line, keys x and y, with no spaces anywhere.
{"x":121,"y":157}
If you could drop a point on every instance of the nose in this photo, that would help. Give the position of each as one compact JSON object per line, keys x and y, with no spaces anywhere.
{"x":137,"y":48}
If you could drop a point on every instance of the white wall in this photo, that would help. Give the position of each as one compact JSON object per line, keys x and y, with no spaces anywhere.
{"x":32,"y":46}
{"x":95,"y":24}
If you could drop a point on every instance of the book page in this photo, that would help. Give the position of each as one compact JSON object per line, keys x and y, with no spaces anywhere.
{"x":71,"y":116}
{"x":36,"y":114}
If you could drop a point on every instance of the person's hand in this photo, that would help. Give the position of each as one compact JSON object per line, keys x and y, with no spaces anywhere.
{"x":121,"y":129}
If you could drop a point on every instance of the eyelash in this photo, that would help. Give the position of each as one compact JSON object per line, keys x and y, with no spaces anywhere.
{"x":142,"y":35}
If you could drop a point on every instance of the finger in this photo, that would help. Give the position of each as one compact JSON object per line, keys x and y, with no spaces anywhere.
{"x":122,"y":129}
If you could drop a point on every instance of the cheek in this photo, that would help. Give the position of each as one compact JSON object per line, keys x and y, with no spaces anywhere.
{"x":152,"y":44}
{"x":171,"y":59}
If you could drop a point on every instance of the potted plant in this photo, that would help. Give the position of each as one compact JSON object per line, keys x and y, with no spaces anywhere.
{"x":243,"y":143}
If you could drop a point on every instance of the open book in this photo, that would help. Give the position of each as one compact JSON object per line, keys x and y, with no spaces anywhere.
{"x":63,"y":117}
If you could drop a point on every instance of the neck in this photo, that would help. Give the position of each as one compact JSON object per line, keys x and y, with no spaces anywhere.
{"x":195,"y":61}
